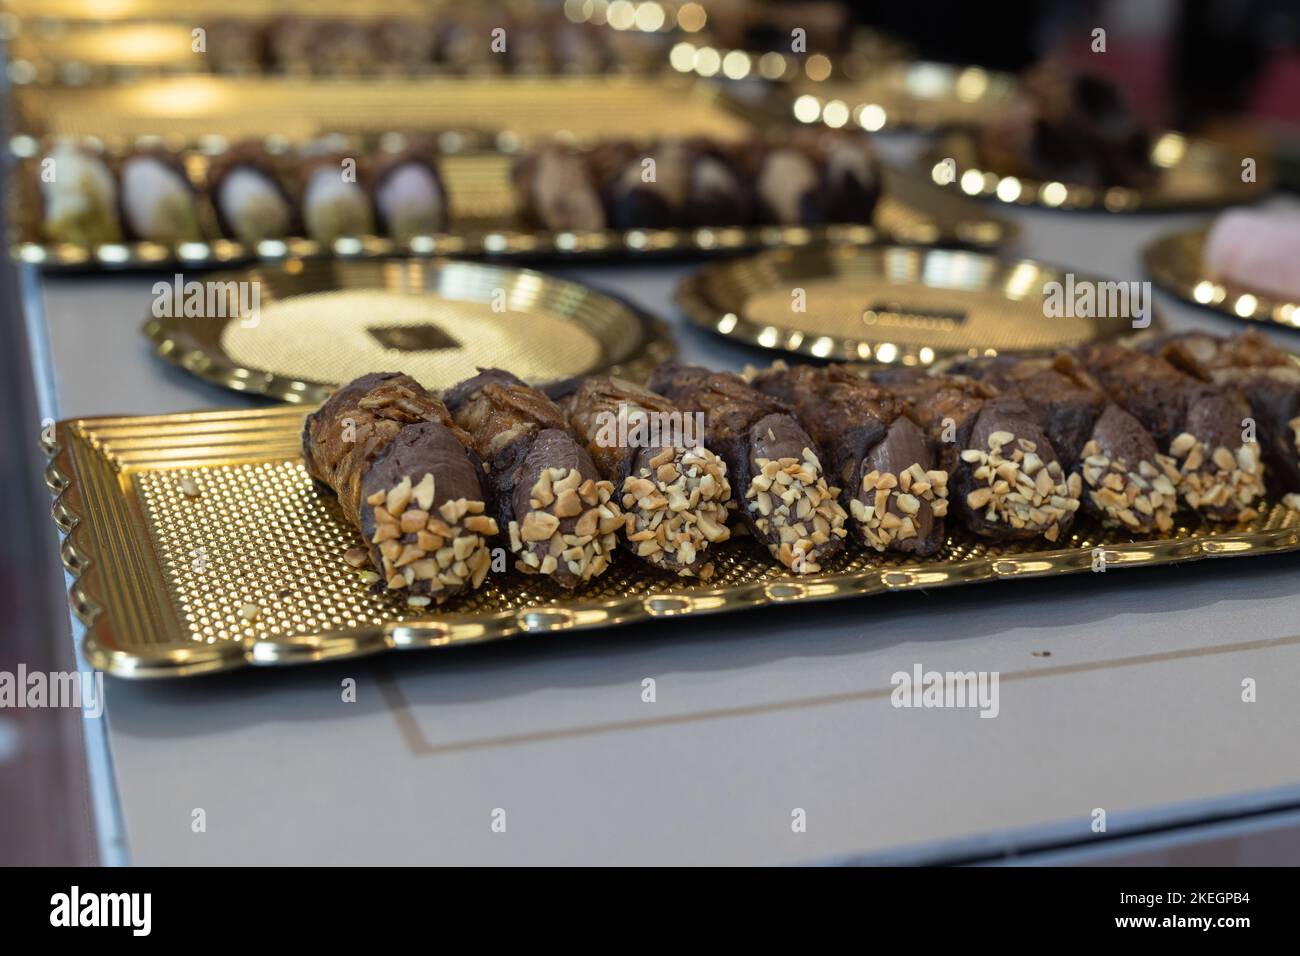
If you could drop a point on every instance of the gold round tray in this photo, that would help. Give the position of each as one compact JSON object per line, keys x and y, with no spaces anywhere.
{"x":1192,"y":173}
{"x":1177,"y":263}
{"x":295,"y":331}
{"x":886,"y":304}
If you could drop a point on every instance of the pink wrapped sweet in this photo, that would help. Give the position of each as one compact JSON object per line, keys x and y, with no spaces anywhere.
{"x":1259,"y":251}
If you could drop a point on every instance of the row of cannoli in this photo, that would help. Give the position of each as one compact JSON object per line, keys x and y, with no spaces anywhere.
{"x":801,"y":458}
{"x":324,"y":195}
{"x":147,"y":196}
{"x":461,"y":41}
{"x":809,"y":178}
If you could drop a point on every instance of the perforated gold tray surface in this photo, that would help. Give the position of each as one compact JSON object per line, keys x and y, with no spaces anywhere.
{"x":318,"y":324}
{"x":888,"y":304}
{"x":199,"y":543}
{"x":1177,"y":262}
{"x":1191,"y":173}
{"x":485,"y":221}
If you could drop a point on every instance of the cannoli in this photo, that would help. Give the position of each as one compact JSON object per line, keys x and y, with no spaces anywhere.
{"x":673,"y":489}
{"x":407,"y":477}
{"x":560,"y":513}
{"x":1126,"y":481}
{"x":333,"y":203}
{"x":674,"y":183}
{"x":1198,"y":423}
{"x":159,"y":204}
{"x":853,"y":178}
{"x":557,"y":190}
{"x":790,"y":186}
{"x":892,"y":487}
{"x":78,"y":197}
{"x":409,"y":198}
{"x":251,"y":204}
{"x":1269,"y":379}
{"x":1073,"y":127}
{"x":1004,"y":474}
{"x":788,"y":505}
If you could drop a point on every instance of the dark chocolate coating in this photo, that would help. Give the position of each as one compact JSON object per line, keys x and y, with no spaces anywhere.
{"x":1268,"y":378}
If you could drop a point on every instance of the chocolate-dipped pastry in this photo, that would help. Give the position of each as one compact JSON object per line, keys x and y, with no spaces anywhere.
{"x":673,"y":489}
{"x":343,"y":47}
{"x":891,"y":485}
{"x":406,"y":476}
{"x":788,"y":505}
{"x":790,"y":186}
{"x":250,"y":202}
{"x":1004,"y":474}
{"x":1198,"y":423}
{"x":333,"y":203}
{"x":560,"y":513}
{"x":1127,"y":482}
{"x":853,"y":177}
{"x":158,"y":202}
{"x":1267,"y":376}
{"x":405,"y":45}
{"x":465,"y":42}
{"x":78,"y":197}
{"x":557,"y":190}
{"x":578,"y":48}
{"x":1073,"y":127}
{"x":688,"y":183}
{"x":409,"y":198}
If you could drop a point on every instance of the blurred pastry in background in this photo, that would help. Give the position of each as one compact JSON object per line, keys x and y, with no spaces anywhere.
{"x":1257,"y":250}
{"x":333,"y":203}
{"x":409,"y":198}
{"x":159,"y":204}
{"x":250,"y":202}
{"x":1071,"y":127}
{"x":78,"y":197}
{"x":673,"y":183}
{"x":557,"y":190}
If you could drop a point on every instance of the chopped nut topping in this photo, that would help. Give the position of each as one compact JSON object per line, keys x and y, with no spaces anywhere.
{"x":1212,"y":480}
{"x":1119,"y":492}
{"x":540,"y":540}
{"x":1020,"y":489}
{"x":676,"y":508}
{"x":431,"y":554}
{"x":779,"y":511}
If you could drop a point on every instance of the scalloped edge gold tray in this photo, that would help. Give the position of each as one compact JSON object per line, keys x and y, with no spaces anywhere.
{"x":713,"y":298}
{"x":194,"y":343}
{"x":1184,"y":163}
{"x":1176,"y":262}
{"x":133,"y":623}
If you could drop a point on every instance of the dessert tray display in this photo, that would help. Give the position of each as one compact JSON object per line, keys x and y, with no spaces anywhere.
{"x":204,"y":542}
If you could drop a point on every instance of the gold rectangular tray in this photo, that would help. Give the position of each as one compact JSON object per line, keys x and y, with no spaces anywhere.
{"x":187,"y":108}
{"x":160,"y":577}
